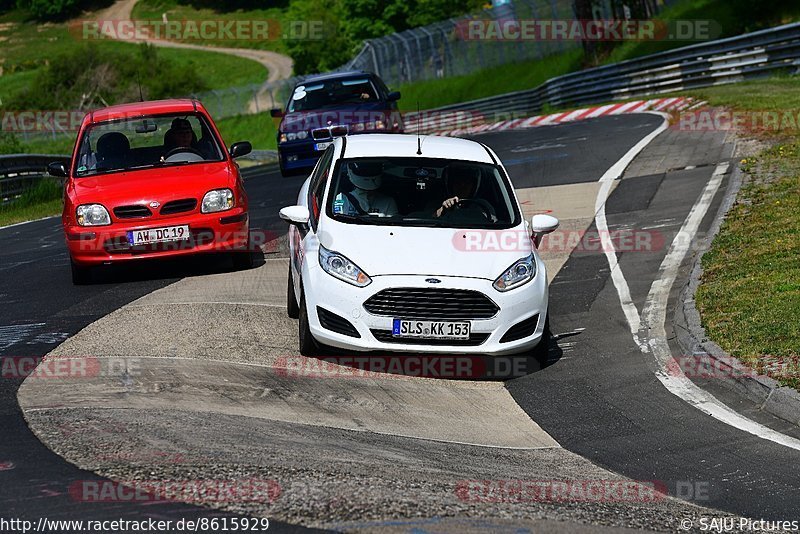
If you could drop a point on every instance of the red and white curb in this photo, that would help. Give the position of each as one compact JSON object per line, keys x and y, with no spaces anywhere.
{"x":638,"y":106}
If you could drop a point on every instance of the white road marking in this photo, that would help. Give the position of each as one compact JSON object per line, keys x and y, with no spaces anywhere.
{"x":654,"y":317}
{"x":28,"y":222}
{"x":651,"y":324}
{"x":616,"y":170}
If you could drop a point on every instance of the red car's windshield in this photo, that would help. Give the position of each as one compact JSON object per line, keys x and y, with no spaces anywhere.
{"x":143,"y":142}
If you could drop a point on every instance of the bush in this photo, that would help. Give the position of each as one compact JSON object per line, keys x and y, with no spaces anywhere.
{"x":9,"y":144}
{"x":90,"y":77}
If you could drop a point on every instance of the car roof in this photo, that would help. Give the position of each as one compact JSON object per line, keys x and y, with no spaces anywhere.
{"x":403,"y":145}
{"x":335,"y":76}
{"x":152,"y":107}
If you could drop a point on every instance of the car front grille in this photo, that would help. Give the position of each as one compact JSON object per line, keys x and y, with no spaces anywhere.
{"x":132,"y":212}
{"x":431,"y":304}
{"x":385,"y":336}
{"x":179,"y":206}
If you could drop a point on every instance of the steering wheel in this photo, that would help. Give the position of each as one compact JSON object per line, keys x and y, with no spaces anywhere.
{"x":485,"y":207}
{"x":179,"y":149}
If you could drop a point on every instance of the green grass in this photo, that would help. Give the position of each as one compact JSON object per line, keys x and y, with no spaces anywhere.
{"x":749,"y":298}
{"x":488,"y":82}
{"x":259,"y":129}
{"x":42,"y":200}
{"x":27,"y":46}
{"x":152,"y":10}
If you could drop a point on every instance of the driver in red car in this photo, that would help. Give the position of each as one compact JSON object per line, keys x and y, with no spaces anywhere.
{"x":180,"y":134}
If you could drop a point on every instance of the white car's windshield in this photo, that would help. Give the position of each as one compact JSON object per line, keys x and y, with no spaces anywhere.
{"x":146,"y":142}
{"x":421,"y":192}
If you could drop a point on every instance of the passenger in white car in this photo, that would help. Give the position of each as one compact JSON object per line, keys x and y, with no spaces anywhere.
{"x":365,"y":198}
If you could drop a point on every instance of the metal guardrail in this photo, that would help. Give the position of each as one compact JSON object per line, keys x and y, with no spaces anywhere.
{"x":19,"y":172}
{"x":723,"y":61}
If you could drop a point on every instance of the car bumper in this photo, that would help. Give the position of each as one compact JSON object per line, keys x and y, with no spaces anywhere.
{"x":214,"y":232}
{"x":528,"y":302}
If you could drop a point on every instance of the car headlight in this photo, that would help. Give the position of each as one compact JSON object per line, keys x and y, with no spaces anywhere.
{"x":380,"y":125}
{"x":358,"y":126}
{"x":217,"y":200}
{"x":282,"y":138}
{"x":520,"y":273}
{"x":92,"y":215}
{"x":291,"y":136}
{"x":342,"y":268}
{"x":302,"y":134}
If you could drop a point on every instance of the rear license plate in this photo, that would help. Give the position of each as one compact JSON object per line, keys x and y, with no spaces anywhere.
{"x":430,"y":329}
{"x":322,"y":146}
{"x":158,"y":235}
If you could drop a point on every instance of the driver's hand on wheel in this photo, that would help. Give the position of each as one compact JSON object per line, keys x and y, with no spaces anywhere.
{"x":446,"y":205}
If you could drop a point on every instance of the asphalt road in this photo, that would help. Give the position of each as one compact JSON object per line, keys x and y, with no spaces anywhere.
{"x":599,"y":396}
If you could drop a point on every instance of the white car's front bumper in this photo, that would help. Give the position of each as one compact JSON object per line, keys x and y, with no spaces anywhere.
{"x":347,"y":302}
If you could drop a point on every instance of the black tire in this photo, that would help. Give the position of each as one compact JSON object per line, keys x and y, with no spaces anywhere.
{"x":308,"y":345}
{"x":292,"y":308}
{"x":81,"y":275}
{"x":541,"y":351}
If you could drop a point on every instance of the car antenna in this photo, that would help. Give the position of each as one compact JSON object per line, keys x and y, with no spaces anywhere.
{"x":139,"y":83}
{"x":419,"y":125}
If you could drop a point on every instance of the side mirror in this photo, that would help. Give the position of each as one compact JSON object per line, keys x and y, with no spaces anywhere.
{"x":296,"y":215}
{"x":541,"y":225}
{"x":394,"y":95}
{"x":57,"y":168}
{"x":276,"y":113}
{"x":241,"y":148}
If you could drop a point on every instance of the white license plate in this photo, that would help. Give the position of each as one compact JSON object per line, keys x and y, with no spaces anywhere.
{"x":322,"y":146}
{"x":430,"y":329}
{"x":158,"y":235}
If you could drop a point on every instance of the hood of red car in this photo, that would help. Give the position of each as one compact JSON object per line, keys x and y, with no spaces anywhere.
{"x":153,"y":185}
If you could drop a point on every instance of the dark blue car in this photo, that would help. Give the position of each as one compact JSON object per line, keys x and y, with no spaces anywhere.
{"x":332,"y":105}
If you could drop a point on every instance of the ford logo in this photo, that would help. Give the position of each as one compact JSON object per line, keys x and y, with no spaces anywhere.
{"x":433,"y":280}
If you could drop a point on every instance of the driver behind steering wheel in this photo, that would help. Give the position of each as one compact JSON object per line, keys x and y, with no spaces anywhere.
{"x":462,"y":183}
{"x":179,"y":135}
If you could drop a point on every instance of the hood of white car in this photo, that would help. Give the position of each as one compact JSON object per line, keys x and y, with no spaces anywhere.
{"x":394,"y":250}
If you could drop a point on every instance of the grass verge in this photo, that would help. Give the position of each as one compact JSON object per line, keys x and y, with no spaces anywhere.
{"x":749,"y":297}
{"x":43,"y":200}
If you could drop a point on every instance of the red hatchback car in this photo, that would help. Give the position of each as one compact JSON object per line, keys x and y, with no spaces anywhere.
{"x":152,"y":180}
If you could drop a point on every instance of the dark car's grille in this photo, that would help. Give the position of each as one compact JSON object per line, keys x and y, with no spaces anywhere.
{"x":521,"y":330}
{"x":330,"y":132}
{"x":386,"y":336}
{"x":132,"y":212}
{"x":431,"y":304}
{"x":179,"y":206}
{"x":334,"y":323}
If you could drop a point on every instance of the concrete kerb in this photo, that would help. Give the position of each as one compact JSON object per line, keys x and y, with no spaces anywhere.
{"x":780,"y":401}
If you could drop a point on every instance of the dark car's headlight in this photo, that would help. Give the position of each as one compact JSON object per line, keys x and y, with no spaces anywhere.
{"x":292,"y":136}
{"x":520,"y":273}
{"x":92,"y":215}
{"x":217,"y":200}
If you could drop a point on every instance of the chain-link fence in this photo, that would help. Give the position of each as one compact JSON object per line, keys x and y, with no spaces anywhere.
{"x":440,"y":50}
{"x":449,"y":48}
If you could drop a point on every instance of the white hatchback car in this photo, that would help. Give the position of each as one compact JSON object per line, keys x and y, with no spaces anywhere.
{"x":415,"y":244}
